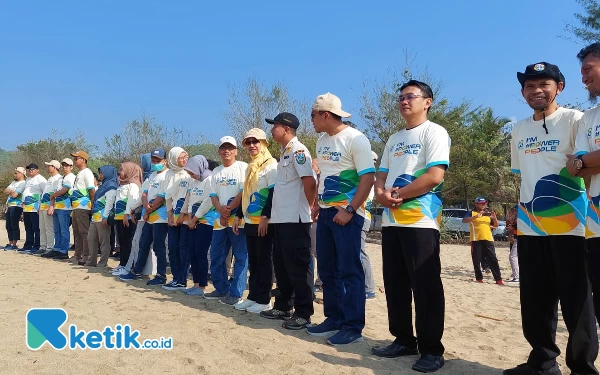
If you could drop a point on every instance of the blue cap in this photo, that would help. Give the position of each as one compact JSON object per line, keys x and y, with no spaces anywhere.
{"x":158,"y":153}
{"x":480,"y":200}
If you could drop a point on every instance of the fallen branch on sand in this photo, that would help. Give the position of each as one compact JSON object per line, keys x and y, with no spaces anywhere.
{"x":488,"y":317}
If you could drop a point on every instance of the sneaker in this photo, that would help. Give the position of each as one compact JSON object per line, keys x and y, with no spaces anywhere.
{"x":257,"y":308}
{"x":170,"y":283}
{"x":50,"y":254}
{"x":276,"y":314}
{"x":33,"y":251}
{"x":117,"y":268}
{"x":394,"y":350}
{"x":230,"y":300}
{"x":499,"y":282}
{"x":60,"y":256}
{"x":525,"y":369}
{"x":429,"y":363}
{"x":514,"y":280}
{"x":344,"y":337}
{"x":296,"y":323}
{"x":244,"y":304}
{"x":130,"y":276}
{"x":157,"y":280}
{"x":174,"y":286}
{"x":370,"y":295}
{"x":121,"y":272}
{"x":324,"y":329}
{"x":194,"y":291}
{"x":22,"y":250}
{"x":214,"y":295}
{"x":7,"y":245}
{"x":10,"y":247}
{"x":40,"y":252}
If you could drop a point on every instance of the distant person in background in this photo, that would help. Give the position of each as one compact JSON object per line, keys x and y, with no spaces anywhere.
{"x":481,"y":222}
{"x":47,"y":207}
{"x":61,"y":201}
{"x":102,"y":209}
{"x":14,"y":207}
{"x":82,"y":196}
{"x":513,"y":257}
{"x":34,"y":187}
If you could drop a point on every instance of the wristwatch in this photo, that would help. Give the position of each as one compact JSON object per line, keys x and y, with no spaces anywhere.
{"x":578,"y":162}
{"x":350,"y":210}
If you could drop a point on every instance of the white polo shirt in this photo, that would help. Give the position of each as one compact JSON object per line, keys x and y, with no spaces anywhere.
{"x":156,"y":187}
{"x":64,"y":201}
{"x":552,"y":202}
{"x":408,"y":154}
{"x":34,"y":188}
{"x":80,"y":193}
{"x":17,"y":186}
{"x":53,"y":184}
{"x":200,"y":204}
{"x":226,"y":183}
{"x":289,"y":201}
{"x":588,"y":140}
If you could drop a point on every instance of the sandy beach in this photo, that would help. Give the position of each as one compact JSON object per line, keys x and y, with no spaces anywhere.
{"x":211,"y":338}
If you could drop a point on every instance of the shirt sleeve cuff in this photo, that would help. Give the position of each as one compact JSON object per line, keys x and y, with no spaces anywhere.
{"x":580,"y":153}
{"x":365,"y":171}
{"x":434,"y":163}
{"x":516,"y":171}
{"x":384,"y":170}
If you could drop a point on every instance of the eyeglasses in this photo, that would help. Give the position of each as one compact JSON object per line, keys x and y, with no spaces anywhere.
{"x":408,"y":97}
{"x":251,"y":142}
{"x":77,"y":158}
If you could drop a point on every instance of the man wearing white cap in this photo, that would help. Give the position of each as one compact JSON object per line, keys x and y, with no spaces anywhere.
{"x":347,"y":175}
{"x":226,"y":185}
{"x":60,"y":202}
{"x":34,"y":186}
{"x":14,"y":207}
{"x":47,"y":208}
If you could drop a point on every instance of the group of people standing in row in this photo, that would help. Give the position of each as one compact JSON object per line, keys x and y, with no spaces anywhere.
{"x":263,"y":211}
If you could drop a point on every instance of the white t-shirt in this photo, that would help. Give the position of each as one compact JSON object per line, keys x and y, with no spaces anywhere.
{"x":266,"y":181}
{"x":588,"y":140}
{"x":177,"y":189}
{"x":17,"y":186}
{"x":343,"y":158}
{"x":157,"y":187}
{"x":64,"y":201}
{"x":200,"y":204}
{"x":53,"y":184}
{"x":552,"y":202}
{"x":80,"y":192}
{"x":124,"y":194}
{"x":34,"y":188}
{"x":103,"y":206}
{"x":368,"y":206}
{"x":289,"y":200}
{"x":408,"y":154}
{"x":226,"y":183}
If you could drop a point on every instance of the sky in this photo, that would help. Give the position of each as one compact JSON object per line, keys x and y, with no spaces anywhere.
{"x":91,"y":66}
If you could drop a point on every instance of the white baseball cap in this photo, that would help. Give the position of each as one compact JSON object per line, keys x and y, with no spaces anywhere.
{"x":227,"y":139}
{"x":329,"y":103}
{"x":67,"y":161}
{"x":53,"y":163}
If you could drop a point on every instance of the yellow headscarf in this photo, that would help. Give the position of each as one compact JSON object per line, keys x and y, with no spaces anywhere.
{"x":258,"y":163}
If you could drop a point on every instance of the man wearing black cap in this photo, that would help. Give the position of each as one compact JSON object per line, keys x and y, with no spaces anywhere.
{"x":551,"y":229}
{"x":34,"y":188}
{"x":294,"y":194}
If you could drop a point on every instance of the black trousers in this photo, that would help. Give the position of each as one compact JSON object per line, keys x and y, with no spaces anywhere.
{"x":593,"y":251}
{"x":485,"y":250}
{"x":553,"y":269}
{"x":260,"y":263}
{"x":13,"y":216}
{"x":412,"y":268}
{"x":291,"y":261}
{"x":32,"y":230}
{"x":125,"y":240}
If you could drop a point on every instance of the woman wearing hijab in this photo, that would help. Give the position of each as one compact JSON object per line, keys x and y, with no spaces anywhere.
{"x":177,"y":190}
{"x":102,"y":208}
{"x":130,"y":180}
{"x":201,"y":219}
{"x":14,"y":207}
{"x":256,"y":211}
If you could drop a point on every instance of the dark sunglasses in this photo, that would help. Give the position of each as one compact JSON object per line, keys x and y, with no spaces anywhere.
{"x":251,"y":142}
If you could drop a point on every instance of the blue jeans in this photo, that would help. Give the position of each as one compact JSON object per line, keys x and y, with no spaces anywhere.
{"x":153,"y":235}
{"x":178,"y":252}
{"x":199,"y":240}
{"x":341,"y":271}
{"x":222,"y":240}
{"x":62,"y":237}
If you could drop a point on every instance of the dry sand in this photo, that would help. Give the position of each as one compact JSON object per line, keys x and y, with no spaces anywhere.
{"x":211,"y":338}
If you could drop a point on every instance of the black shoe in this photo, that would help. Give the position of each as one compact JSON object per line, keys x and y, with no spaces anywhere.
{"x":296,"y":323}
{"x":429,"y":363}
{"x":81,"y":263}
{"x":60,"y":256}
{"x":276,"y":314}
{"x":525,"y":369}
{"x":394,"y":350}
{"x":51,"y":254}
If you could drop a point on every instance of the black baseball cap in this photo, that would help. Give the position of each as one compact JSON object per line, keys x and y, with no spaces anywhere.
{"x":541,"y":70}
{"x":32,"y":166}
{"x":285,"y":118}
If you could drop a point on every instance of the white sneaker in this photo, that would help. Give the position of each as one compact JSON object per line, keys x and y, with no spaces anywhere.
{"x":123,"y":271}
{"x":257,"y":308}
{"x":118,"y":268}
{"x":514,"y":280}
{"x":243,"y":304}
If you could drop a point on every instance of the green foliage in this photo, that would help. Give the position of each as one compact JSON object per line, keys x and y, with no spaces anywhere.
{"x":589,"y":29}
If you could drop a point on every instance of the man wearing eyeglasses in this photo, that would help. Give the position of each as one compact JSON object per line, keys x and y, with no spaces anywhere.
{"x":408,"y":186}
{"x":34,"y":188}
{"x":551,"y":225}
{"x":81,"y":202}
{"x":347,"y":174}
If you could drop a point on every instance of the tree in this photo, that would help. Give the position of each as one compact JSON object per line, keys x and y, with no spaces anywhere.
{"x":251,"y":104}
{"x":589,"y":29}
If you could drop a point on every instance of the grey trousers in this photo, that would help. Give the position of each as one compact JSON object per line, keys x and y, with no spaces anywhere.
{"x":366,"y":263}
{"x":98,"y":235}
{"x":46,"y":230}
{"x":513,"y":259}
